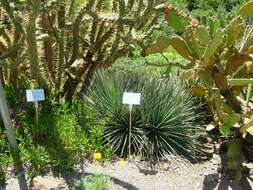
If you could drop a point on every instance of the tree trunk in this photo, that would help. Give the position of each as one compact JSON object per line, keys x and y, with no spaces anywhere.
{"x":61,"y":45}
{"x":7,"y":120}
{"x":70,"y":88}
{"x":71,"y":84}
{"x":2,"y":75}
{"x":12,"y":140}
{"x":88,"y":79}
{"x":48,"y":45}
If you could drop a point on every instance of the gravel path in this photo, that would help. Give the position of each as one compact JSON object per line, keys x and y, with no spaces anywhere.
{"x":171,"y":176}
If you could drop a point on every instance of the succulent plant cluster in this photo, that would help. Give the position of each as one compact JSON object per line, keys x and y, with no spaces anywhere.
{"x":221,"y":60}
{"x":59,"y":46}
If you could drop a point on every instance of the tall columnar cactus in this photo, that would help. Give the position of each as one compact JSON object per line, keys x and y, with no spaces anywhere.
{"x":220,"y":58}
{"x":66,"y":46}
{"x":110,"y":34}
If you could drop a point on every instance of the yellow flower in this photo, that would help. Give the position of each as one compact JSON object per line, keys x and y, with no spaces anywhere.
{"x":97,"y":156}
{"x":122,"y":163}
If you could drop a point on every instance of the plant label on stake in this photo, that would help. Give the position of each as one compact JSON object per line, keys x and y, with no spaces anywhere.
{"x":131,"y":99}
{"x":35,"y":95}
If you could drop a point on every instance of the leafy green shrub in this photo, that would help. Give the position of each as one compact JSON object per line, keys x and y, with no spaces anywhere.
{"x":92,"y":127}
{"x":94,"y":182}
{"x":64,"y":135}
{"x":208,"y":10}
{"x":153,"y":65}
{"x":164,"y":123}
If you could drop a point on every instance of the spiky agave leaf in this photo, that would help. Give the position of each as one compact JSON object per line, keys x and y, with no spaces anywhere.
{"x":105,"y":95}
{"x":170,"y":115}
{"x":165,"y":122}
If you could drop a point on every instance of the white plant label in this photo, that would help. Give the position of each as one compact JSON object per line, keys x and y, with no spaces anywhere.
{"x":131,"y":98}
{"x":35,"y":95}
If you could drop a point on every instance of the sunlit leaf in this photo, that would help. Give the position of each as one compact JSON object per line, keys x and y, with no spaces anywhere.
{"x":199,"y":90}
{"x":247,"y":9}
{"x":212,"y":48}
{"x":240,"y":82}
{"x":181,"y":47}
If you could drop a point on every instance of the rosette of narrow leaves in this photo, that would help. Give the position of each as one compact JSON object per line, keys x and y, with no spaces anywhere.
{"x":164,"y":124}
{"x":105,"y":95}
{"x":170,"y":116}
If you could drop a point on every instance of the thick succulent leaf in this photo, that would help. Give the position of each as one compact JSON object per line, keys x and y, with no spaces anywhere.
{"x":181,"y":47}
{"x":199,"y":90}
{"x":216,"y":42}
{"x":160,"y":45}
{"x":238,"y":175}
{"x":234,"y":30}
{"x":227,"y":108}
{"x":235,"y":157}
{"x":177,"y":20}
{"x":192,"y":45}
{"x":236,"y":61}
{"x":214,"y":25}
{"x":240,"y":82}
{"x":234,"y":150}
{"x":206,"y":78}
{"x":202,"y":35}
{"x":231,"y":119}
{"x":247,"y":9}
{"x":225,"y":130}
{"x":220,"y":80}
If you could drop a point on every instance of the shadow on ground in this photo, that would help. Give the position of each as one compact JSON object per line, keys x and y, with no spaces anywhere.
{"x":19,"y":172}
{"x":211,"y":182}
{"x":74,"y":176}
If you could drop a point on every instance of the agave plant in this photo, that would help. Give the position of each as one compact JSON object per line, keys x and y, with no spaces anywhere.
{"x":105,"y":95}
{"x":164,"y":124}
{"x":170,"y":116}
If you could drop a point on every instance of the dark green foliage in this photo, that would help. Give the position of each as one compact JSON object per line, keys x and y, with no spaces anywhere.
{"x":64,"y":135}
{"x":208,"y":10}
{"x":164,"y":123}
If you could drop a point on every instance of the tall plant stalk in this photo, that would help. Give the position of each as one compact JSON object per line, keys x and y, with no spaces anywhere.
{"x":12,"y":140}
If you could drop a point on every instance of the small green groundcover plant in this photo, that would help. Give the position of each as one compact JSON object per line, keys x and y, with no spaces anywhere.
{"x":94,"y":182}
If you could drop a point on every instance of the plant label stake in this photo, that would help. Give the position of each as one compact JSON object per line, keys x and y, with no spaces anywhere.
{"x":35,"y":95}
{"x":131,"y":99}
